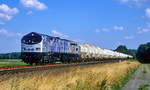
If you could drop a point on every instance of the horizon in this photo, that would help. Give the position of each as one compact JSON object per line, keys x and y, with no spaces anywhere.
{"x":107,"y":23}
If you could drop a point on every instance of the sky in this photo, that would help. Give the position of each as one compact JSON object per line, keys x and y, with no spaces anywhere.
{"x":103,"y":23}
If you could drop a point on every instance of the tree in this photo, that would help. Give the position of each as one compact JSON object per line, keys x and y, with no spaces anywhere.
{"x":14,"y":55}
{"x":143,"y":53}
{"x":125,"y":50}
{"x":122,"y":49}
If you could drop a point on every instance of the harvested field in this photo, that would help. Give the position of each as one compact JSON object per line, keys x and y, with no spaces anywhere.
{"x":92,"y":77}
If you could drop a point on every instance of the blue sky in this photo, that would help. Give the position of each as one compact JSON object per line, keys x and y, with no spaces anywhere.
{"x":104,"y":23}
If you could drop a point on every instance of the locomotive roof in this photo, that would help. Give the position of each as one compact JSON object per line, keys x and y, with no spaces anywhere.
{"x":31,"y":33}
{"x":51,"y":36}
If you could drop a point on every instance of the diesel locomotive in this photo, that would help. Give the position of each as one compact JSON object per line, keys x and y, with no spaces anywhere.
{"x":39,"y":48}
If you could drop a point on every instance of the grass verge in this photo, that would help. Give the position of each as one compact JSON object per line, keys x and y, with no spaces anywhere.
{"x":143,"y":87}
{"x":144,"y":70}
{"x":11,"y":62}
{"x":93,"y":77}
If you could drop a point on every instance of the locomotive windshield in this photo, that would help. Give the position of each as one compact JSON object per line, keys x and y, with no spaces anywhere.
{"x":32,"y":38}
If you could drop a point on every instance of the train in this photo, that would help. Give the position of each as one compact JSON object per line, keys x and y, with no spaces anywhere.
{"x":39,"y":48}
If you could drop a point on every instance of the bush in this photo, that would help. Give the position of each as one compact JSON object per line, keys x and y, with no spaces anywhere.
{"x":143,"y":53}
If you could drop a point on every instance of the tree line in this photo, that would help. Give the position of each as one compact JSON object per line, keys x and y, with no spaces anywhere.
{"x":14,"y":55}
{"x":125,"y":50}
{"x":142,"y":53}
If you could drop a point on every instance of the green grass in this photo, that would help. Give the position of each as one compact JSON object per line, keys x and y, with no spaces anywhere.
{"x":144,"y":70}
{"x":132,"y":60}
{"x":143,"y":87}
{"x":11,"y":62}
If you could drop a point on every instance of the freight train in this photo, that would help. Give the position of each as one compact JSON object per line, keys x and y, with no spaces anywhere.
{"x":39,"y":48}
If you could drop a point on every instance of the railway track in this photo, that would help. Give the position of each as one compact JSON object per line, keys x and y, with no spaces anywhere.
{"x":17,"y":69}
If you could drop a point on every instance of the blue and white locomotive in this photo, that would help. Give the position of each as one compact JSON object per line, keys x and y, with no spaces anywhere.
{"x":40,"y":48}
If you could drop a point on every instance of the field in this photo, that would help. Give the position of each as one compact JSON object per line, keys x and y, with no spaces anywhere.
{"x":11,"y":62}
{"x":92,"y":77}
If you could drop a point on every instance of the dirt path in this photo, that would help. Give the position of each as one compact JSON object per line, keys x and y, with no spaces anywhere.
{"x":140,"y":77}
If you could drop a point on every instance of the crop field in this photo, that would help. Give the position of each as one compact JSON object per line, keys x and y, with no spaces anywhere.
{"x":91,"y":77}
{"x":11,"y":62}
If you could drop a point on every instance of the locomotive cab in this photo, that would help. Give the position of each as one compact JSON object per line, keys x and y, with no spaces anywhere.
{"x":31,"y":42}
{"x":31,"y":48}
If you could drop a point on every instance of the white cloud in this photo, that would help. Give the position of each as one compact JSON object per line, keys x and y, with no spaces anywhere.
{"x":5,"y":9}
{"x":129,"y":37}
{"x":80,"y":41}
{"x":124,"y":1}
{"x":34,"y":4}
{"x":147,"y":12}
{"x":6,"y":13}
{"x":148,"y":25}
{"x":97,"y":30}
{"x":59,"y":34}
{"x":102,"y":30}
{"x":9,"y":34}
{"x":105,"y":30}
{"x":2,"y":23}
{"x":119,"y":43}
{"x":144,"y":30}
{"x":29,"y":13}
{"x":5,"y":16}
{"x":137,"y":3}
{"x":119,"y":28}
